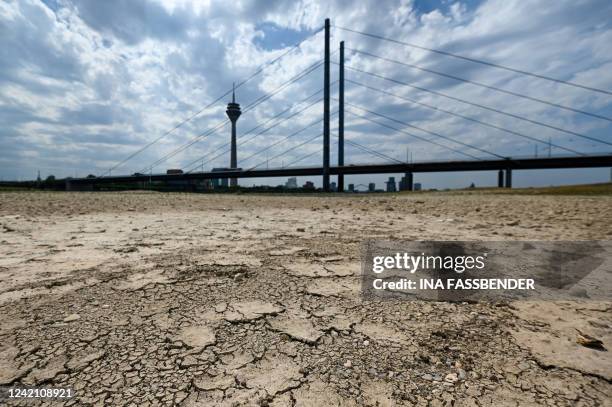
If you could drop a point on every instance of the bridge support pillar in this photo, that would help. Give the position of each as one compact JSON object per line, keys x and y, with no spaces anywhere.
{"x":500,"y":179}
{"x":409,"y":179}
{"x":508,"y":178}
{"x":341,"y":118}
{"x":326,"y":110}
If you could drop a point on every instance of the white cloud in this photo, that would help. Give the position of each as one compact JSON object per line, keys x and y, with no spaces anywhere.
{"x":87,"y":82}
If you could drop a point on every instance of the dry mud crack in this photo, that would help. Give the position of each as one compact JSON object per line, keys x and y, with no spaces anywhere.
{"x":254,"y":300}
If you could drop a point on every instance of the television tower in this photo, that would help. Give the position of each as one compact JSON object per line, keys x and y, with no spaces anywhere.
{"x":233,"y":113}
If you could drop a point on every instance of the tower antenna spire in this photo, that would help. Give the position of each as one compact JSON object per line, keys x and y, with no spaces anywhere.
{"x":233,"y":92}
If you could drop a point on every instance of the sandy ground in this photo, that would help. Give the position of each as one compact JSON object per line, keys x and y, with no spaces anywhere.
{"x":163,"y":299}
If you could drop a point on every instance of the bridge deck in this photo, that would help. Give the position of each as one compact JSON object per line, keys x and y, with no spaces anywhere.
{"x":590,"y":161}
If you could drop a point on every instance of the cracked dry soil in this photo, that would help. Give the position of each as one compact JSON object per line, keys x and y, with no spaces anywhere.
{"x":142,"y":299}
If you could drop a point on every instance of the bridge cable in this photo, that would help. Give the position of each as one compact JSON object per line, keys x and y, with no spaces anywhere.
{"x":372,"y":151}
{"x":431,"y":141}
{"x":317,"y":121}
{"x":259,"y":133}
{"x":321,"y":62}
{"x":251,"y":106}
{"x":303,"y":157}
{"x":287,"y":151}
{"x":253,"y":129}
{"x":181,"y":148}
{"x":259,"y":70}
{"x":439,"y":135}
{"x":336,"y":143}
{"x":454,"y":98}
{"x":478,"y":61}
{"x":253,"y":136}
{"x":468,"y":117}
{"x":508,"y":92}
{"x":423,"y":130}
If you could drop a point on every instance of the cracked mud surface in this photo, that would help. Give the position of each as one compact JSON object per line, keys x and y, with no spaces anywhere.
{"x":143,"y":299}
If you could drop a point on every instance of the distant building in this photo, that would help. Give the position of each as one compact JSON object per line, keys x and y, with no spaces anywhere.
{"x":391,"y":187}
{"x":371,"y":187}
{"x":308,"y":185}
{"x":174,"y":171}
{"x":407,"y":182}
{"x":351,"y":187}
{"x":291,"y":183}
{"x":333,"y":187}
{"x":417,"y":186}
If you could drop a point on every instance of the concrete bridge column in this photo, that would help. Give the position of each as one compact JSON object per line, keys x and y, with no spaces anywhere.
{"x":508,"y":178}
{"x":326,"y":114}
{"x":500,"y":179}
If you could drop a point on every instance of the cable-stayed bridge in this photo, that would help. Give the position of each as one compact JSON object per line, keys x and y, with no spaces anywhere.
{"x":478,"y":157}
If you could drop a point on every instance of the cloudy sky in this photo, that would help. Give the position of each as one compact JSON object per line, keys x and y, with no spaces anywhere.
{"x":85,"y":84}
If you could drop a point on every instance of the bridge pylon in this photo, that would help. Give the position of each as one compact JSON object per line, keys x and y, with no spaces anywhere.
{"x":326,"y":110}
{"x":341,"y":117}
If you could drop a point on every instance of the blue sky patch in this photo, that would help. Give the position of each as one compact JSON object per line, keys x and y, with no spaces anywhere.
{"x":427,"y":6}
{"x":277,"y":37}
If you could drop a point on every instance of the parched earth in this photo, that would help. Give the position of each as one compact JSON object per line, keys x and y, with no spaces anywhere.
{"x":144,"y":299}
